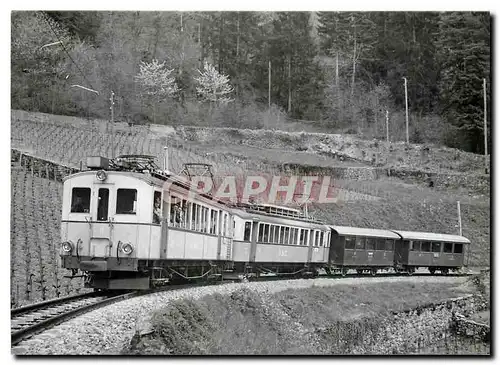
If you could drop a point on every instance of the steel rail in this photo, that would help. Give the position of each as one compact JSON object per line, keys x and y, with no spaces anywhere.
{"x":42,"y":325}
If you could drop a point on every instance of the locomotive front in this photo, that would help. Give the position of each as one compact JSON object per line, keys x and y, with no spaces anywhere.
{"x":109,"y":225}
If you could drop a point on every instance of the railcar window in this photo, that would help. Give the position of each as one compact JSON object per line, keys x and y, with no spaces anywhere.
{"x":187,"y":212}
{"x":276,"y":234}
{"x":436,"y":246}
{"x":126,"y":201}
{"x":302,"y":237}
{"x":266,"y":233}
{"x":295,"y":236}
{"x":192,"y":216}
{"x":350,"y":243}
{"x":426,"y":246}
{"x":156,"y":207}
{"x":213,"y":221}
{"x":175,"y":211}
{"x":360,"y":243}
{"x":271,"y":233}
{"x":200,"y":219}
{"x":261,"y":232}
{"x":287,"y":236}
{"x":206,"y":222}
{"x":248,"y":230}
{"x":316,"y":238}
{"x":379,"y":244}
{"x":102,"y":204}
{"x":226,"y":224}
{"x":415,"y":246}
{"x":389,"y":245}
{"x":282,"y":234}
{"x":321,"y":238}
{"x":80,"y":200}
{"x":370,"y":244}
{"x":448,"y":247}
{"x":458,"y":248}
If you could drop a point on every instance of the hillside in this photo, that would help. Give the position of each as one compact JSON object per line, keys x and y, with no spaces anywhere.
{"x":367,"y":196}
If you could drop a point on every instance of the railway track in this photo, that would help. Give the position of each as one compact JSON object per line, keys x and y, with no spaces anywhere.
{"x":32,"y":319}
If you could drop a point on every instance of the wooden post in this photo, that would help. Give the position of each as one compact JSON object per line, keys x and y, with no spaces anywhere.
{"x":459,"y":218}
{"x":485,"y":129}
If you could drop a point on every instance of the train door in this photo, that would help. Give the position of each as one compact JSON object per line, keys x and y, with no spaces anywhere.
{"x":326,"y":248}
{"x":164,"y":225}
{"x":253,"y":246}
{"x":311,"y":236}
{"x":225,"y":242}
{"x":101,"y":226}
{"x":436,"y":253}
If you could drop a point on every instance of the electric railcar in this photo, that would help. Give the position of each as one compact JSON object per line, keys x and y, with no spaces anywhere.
{"x":128,"y":225}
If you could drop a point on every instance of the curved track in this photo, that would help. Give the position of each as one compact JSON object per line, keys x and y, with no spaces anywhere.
{"x":35,"y":318}
{"x":32,"y":319}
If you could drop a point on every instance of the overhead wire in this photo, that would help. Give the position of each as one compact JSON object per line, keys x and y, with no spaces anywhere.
{"x":69,"y":55}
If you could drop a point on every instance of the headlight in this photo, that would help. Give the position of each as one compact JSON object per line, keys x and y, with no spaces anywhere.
{"x":127,"y":248}
{"x":67,"y":246}
{"x":101,"y":175}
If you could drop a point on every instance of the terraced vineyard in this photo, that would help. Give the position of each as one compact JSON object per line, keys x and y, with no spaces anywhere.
{"x":69,"y":145}
{"x":35,"y":224}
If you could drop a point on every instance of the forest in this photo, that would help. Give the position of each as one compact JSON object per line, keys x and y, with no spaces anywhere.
{"x":344,"y":71}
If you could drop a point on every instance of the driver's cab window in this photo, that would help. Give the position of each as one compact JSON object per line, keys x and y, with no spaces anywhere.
{"x":80,"y":200}
{"x":126,"y":201}
{"x":157,"y":207}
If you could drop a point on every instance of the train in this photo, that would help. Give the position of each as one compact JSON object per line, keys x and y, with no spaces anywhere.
{"x":127,"y":224}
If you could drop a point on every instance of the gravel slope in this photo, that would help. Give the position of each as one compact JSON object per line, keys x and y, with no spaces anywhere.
{"x":106,"y":330}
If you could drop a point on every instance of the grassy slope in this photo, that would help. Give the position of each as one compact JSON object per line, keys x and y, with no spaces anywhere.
{"x":248,"y":322}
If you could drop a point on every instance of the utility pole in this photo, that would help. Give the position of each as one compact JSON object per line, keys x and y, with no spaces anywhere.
{"x":165,"y":156}
{"x":387,"y":124}
{"x":485,"y":129}
{"x":406,"y":102}
{"x":112,"y":121}
{"x":459,"y":218}
{"x":269,"y":90}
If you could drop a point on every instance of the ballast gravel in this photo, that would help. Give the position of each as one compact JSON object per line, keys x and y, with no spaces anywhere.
{"x":106,"y":330}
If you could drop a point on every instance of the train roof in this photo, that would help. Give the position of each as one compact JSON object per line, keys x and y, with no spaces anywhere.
{"x":427,"y":236}
{"x":366,"y":232}
{"x":276,"y":219}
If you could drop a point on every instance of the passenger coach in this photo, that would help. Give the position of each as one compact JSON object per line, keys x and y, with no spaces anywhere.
{"x":361,"y":249}
{"x":279,"y":240}
{"x":434,"y":251}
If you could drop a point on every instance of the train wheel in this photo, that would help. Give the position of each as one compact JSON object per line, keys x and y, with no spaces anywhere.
{"x":359,"y":271}
{"x":343,"y":272}
{"x":373,"y":272}
{"x":432,"y":270}
{"x":411,"y":270}
{"x":445,"y":271}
